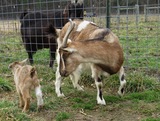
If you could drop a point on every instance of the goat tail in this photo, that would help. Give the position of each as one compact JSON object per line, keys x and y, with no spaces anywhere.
{"x":32,"y":72}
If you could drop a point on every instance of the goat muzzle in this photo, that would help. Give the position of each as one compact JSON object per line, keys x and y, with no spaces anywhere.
{"x":63,"y":73}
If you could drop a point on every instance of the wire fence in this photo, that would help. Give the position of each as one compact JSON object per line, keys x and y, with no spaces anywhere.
{"x":136,"y":24}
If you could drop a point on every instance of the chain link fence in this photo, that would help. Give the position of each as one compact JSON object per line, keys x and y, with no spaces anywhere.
{"x":137,"y":23}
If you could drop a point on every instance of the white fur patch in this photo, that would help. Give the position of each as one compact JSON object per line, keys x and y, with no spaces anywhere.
{"x":38,"y":91}
{"x":82,"y":25}
{"x":59,"y":42}
{"x":79,"y":1}
{"x":39,"y":95}
{"x":69,"y":40}
{"x":70,"y":50}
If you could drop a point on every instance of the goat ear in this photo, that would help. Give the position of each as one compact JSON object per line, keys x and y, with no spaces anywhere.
{"x":12,"y":65}
{"x":32,"y":72}
{"x":58,"y":31}
{"x":24,"y":61}
{"x":71,"y":50}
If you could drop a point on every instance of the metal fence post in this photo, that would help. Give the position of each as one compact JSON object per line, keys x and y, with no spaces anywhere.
{"x":137,"y":13}
{"x":108,"y":13}
{"x":118,"y":14}
{"x":145,"y":13}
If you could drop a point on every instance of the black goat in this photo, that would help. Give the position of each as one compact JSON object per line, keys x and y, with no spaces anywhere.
{"x":38,"y":33}
{"x":38,"y":29}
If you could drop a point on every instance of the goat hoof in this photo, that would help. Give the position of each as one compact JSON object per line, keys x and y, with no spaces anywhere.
{"x":101,"y":102}
{"x":24,"y":111}
{"x":40,"y":107}
{"x":61,"y":95}
{"x":79,"y":88}
{"x":120,"y":93}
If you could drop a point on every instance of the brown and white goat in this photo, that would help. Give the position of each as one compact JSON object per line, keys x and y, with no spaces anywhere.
{"x":98,"y":47}
{"x":26,"y":78}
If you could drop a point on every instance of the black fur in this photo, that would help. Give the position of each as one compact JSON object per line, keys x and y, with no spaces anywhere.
{"x":38,"y":29}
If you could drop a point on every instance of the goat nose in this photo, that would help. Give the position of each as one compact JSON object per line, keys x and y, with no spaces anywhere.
{"x":63,"y":73}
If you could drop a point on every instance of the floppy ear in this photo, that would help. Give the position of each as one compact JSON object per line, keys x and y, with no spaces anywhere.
{"x":12,"y":65}
{"x":71,"y":50}
{"x":58,"y":31}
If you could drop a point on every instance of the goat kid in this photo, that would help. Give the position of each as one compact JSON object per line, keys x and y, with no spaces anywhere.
{"x":26,"y":78}
{"x":92,"y":45}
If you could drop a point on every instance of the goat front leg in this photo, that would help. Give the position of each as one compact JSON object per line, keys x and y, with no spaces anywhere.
{"x":75,"y":76}
{"x":58,"y":78}
{"x":122,"y":82}
{"x":58,"y":84}
{"x":30,"y":56}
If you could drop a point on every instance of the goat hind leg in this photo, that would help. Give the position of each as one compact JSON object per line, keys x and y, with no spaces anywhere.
{"x":26,"y":98}
{"x":21,"y":101}
{"x":122,"y":82}
{"x":100,"y":99}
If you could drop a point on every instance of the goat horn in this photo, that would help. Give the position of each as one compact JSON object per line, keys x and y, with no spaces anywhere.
{"x":72,"y":24}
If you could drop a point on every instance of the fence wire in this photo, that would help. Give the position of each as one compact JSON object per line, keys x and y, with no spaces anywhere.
{"x":136,"y":23}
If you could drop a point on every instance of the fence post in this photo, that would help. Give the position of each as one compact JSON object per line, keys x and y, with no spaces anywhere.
{"x":137,"y":13}
{"x":145,"y":13}
{"x":108,"y":13}
{"x":118,"y":14}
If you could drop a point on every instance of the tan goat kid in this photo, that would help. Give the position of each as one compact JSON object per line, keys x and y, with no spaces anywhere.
{"x":26,"y":78}
{"x":83,"y":42}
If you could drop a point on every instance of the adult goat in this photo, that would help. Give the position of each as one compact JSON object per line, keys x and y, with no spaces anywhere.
{"x":98,"y":47}
{"x":38,"y":29}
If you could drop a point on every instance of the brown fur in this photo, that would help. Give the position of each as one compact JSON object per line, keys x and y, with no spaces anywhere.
{"x":109,"y":60}
{"x":75,"y":35}
{"x":25,"y":78}
{"x":107,"y":50}
{"x":92,"y":45}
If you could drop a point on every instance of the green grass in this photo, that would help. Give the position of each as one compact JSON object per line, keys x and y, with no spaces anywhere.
{"x":5,"y":85}
{"x":9,"y":111}
{"x":148,"y":96}
{"x":152,"y":119}
{"x":62,"y":116}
